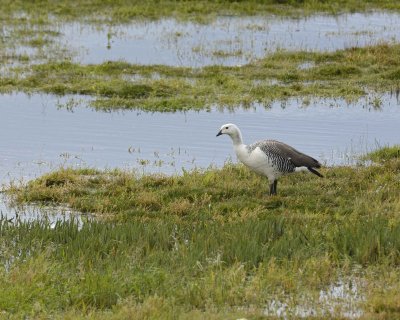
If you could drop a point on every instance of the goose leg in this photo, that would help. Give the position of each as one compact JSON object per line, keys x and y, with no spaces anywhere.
{"x":276,"y":186}
{"x":272,"y":187}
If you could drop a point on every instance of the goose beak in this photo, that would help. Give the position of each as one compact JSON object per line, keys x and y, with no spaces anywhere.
{"x":219,"y":133}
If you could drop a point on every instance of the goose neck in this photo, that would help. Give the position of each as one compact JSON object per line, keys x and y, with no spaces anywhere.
{"x":237,"y":138}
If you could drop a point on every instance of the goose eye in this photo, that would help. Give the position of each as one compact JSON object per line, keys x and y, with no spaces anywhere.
{"x":227,"y":128}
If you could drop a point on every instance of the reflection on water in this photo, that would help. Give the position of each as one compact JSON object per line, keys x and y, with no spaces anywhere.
{"x":26,"y":213}
{"x":342,"y":299}
{"x":36,"y":137}
{"x":227,"y":40}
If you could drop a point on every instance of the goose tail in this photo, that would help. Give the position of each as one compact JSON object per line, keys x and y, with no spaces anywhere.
{"x":312,"y":170}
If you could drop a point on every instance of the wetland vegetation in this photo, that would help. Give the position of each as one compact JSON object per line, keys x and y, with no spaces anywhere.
{"x":32,"y":61}
{"x":349,"y":74}
{"x":205,"y":243}
{"x":125,"y":10}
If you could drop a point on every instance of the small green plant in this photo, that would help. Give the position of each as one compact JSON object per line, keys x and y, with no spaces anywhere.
{"x":204,"y":244}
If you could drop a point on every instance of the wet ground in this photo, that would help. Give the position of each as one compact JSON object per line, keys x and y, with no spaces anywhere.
{"x":342,"y":299}
{"x":25,"y":213}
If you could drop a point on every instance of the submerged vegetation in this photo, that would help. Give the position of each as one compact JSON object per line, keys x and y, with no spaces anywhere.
{"x":206,"y":244}
{"x":348,"y":74}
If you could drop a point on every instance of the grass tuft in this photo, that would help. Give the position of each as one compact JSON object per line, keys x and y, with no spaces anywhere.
{"x":384,"y":154}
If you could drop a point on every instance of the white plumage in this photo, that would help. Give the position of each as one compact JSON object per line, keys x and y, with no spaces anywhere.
{"x":269,"y":158}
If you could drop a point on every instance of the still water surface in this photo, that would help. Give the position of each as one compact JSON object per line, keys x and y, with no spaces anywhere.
{"x":37,"y":137}
{"x":226,"y":40}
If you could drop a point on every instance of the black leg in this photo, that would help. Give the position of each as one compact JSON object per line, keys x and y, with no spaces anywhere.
{"x":272,"y":188}
{"x":276,"y":186}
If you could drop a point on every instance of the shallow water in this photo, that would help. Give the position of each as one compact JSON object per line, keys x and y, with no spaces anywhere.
{"x":342,"y":299}
{"x":37,"y":137}
{"x":25,"y":213}
{"x":227,"y":40}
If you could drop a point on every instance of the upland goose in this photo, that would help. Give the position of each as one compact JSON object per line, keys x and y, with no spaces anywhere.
{"x":269,"y":158}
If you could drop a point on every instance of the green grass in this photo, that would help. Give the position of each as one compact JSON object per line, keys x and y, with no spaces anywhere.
{"x":347,"y":74}
{"x":44,"y":65}
{"x":34,"y":25}
{"x":218,"y":195}
{"x":205,"y":244}
{"x":126,"y":10}
{"x":383,"y":154}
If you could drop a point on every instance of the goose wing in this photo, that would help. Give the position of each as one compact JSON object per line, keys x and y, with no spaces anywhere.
{"x":283,"y":150}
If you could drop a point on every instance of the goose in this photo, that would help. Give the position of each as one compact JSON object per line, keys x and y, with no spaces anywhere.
{"x":269,"y":158}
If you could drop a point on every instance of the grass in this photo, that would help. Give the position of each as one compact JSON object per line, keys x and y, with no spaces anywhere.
{"x":347,"y":74}
{"x":34,"y":26}
{"x":42,"y":11}
{"x":211,"y":195}
{"x":33,"y":61}
{"x":384,"y":154}
{"x":206,"y":244}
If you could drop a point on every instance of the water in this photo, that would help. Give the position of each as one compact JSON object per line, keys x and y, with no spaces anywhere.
{"x":26,"y":213}
{"x":225,"y":41}
{"x":342,"y":299}
{"x":37,"y":137}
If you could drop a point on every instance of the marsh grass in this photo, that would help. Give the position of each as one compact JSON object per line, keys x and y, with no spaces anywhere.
{"x":347,"y":74}
{"x":205,"y":241}
{"x":383,"y":154}
{"x":41,"y":11}
{"x":36,"y":62}
{"x":211,"y":195}
{"x":34,"y":27}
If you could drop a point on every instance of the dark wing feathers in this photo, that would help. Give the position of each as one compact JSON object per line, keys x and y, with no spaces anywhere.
{"x":298,"y":158}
